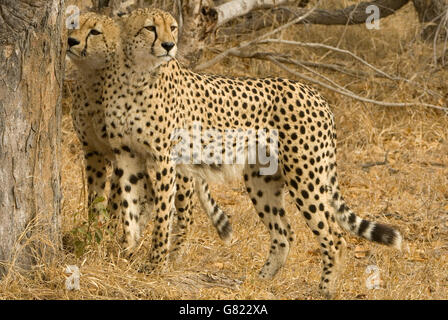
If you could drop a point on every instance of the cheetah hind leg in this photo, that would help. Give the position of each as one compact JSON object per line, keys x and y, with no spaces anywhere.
{"x":312,"y":201}
{"x":266,"y":193}
{"x":144,"y":198}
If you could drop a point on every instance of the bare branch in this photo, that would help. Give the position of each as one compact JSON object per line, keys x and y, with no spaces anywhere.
{"x":287,"y":59}
{"x":379,"y":71}
{"x":324,"y":46}
{"x":352,"y":95}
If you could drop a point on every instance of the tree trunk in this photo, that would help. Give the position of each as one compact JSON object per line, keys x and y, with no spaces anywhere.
{"x":197,"y":22}
{"x":31,"y":71}
{"x":99,"y":4}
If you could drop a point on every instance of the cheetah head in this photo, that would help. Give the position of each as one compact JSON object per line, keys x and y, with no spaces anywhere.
{"x":149,"y":37}
{"x":92,"y":44}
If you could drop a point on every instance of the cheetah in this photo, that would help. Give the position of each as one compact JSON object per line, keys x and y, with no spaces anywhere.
{"x":89,"y":48}
{"x":149,"y":96}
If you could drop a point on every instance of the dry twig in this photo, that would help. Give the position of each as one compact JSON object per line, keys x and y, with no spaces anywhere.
{"x":376,"y":163}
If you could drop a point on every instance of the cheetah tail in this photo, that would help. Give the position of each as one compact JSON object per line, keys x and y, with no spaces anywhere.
{"x":372,"y":231}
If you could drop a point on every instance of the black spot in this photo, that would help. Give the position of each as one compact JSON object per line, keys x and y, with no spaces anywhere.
{"x":133,"y":179}
{"x":119,"y":172}
{"x":294,"y":184}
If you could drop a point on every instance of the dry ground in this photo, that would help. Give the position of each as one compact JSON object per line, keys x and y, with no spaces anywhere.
{"x":409,"y":191}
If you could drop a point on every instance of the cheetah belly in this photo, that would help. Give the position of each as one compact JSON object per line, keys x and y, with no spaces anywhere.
{"x":213,"y":173}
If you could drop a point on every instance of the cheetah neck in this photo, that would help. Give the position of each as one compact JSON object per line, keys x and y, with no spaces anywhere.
{"x":139,"y":75}
{"x":92,"y":82}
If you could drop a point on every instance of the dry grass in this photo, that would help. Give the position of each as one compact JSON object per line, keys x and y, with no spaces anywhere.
{"x":410,"y":191}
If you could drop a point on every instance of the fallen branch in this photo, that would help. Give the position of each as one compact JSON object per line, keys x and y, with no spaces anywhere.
{"x":354,"y":14}
{"x":242,"y":45}
{"x":238,"y":8}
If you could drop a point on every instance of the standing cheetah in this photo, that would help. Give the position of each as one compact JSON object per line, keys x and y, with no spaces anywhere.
{"x":148,"y":96}
{"x":90,"y":47}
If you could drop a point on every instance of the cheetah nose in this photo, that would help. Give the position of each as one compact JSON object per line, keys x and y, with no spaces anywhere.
{"x":72,"y":42}
{"x":168,"y":46}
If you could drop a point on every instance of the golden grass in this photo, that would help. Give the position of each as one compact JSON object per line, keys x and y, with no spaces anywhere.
{"x":411,"y":192}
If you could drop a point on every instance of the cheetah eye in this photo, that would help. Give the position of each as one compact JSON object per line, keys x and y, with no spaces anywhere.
{"x":94,"y":32}
{"x":173,"y":28}
{"x":151,"y":28}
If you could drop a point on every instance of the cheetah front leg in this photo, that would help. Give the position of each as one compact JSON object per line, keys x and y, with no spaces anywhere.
{"x":132,"y":196}
{"x":165,"y":191}
{"x":143,"y":190}
{"x":96,"y":172}
{"x":183,"y":215}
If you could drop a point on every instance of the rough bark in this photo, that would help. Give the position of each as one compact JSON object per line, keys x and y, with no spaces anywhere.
{"x":99,"y":4}
{"x":198,"y":20}
{"x":31,"y":70}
